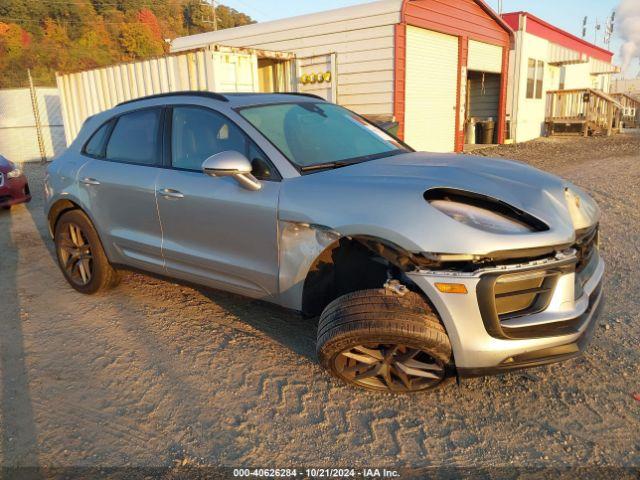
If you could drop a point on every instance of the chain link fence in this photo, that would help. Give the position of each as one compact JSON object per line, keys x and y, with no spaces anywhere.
{"x":19,"y":141}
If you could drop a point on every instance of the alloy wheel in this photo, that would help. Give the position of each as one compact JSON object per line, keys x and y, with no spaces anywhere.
{"x":394,"y":368}
{"x":75,"y":254}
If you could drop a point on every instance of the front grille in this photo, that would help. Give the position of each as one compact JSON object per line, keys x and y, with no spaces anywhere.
{"x":502,"y":297}
{"x":517,"y":295}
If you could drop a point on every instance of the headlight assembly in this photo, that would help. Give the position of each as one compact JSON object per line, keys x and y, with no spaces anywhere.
{"x":480,"y":218}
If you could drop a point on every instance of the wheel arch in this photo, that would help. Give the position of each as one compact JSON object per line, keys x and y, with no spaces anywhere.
{"x":351,"y":263}
{"x":57,"y":209}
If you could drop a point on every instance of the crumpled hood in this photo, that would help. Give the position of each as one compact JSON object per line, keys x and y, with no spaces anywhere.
{"x":384,"y":198}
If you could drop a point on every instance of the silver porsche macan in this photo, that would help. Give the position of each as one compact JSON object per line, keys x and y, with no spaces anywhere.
{"x":420,"y":266}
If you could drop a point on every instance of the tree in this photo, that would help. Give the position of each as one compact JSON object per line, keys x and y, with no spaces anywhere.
{"x":138,"y":41}
{"x":62,"y":36}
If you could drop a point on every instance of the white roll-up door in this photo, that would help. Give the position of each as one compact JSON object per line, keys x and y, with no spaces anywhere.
{"x":484,"y":57}
{"x":431,"y":89}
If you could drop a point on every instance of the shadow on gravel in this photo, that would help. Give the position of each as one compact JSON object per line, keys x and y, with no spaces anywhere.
{"x":19,"y":439}
{"x":289,"y":329}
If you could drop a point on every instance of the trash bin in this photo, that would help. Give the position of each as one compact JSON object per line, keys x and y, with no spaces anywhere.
{"x":485,"y":130}
{"x":488,"y":131}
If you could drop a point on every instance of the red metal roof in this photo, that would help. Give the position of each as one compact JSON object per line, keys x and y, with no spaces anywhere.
{"x":538,"y":27}
{"x":472,"y":18}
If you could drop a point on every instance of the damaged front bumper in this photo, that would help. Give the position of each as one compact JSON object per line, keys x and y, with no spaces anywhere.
{"x":495,"y":327}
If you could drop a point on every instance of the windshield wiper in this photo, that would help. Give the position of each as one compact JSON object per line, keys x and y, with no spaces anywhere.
{"x":353,"y":161}
{"x":328,"y":165}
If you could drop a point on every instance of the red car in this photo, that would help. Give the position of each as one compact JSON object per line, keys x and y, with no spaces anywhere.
{"x":14,"y":187}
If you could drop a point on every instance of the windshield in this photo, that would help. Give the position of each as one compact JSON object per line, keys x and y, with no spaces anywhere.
{"x":313,"y":135}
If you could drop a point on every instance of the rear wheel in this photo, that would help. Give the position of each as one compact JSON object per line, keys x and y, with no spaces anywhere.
{"x":377,"y":340}
{"x":81,"y":256}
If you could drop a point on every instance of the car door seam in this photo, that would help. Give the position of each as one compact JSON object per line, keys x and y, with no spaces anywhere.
{"x":156,"y":186}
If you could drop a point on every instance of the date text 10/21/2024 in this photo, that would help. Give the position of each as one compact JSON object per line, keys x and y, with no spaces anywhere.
{"x":364,"y":473}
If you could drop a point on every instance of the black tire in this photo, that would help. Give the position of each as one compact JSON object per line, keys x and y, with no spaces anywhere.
{"x":8,"y":207}
{"x":388,"y":329}
{"x":102,"y":276}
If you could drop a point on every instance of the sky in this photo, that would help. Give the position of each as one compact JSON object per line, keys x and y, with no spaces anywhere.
{"x":566,"y":14}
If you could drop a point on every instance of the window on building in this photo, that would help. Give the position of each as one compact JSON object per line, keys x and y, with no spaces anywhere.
{"x":535,"y":78}
{"x":539,"y":78}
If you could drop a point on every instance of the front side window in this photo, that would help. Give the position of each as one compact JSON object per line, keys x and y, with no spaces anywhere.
{"x":135,"y":138}
{"x":313,"y":135}
{"x":198,"y":133}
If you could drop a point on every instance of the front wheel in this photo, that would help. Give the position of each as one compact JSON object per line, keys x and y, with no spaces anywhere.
{"x":377,"y":340}
{"x":81,"y":256}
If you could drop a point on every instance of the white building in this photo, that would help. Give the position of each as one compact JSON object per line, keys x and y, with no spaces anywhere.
{"x":428,"y":64}
{"x":547,"y":58}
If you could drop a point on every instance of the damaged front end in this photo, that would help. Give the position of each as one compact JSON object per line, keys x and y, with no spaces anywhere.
{"x":519,"y":311}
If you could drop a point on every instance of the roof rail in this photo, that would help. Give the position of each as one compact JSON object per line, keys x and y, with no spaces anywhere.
{"x":249,"y":94}
{"x":303,"y":95}
{"x":186,"y":93}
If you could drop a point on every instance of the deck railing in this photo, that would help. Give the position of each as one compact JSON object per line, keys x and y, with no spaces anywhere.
{"x":591,"y":109}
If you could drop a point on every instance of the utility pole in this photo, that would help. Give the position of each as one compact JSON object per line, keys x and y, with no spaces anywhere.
{"x":597,"y":29}
{"x":211,"y":4}
{"x":500,"y":7}
{"x":609,"y":29}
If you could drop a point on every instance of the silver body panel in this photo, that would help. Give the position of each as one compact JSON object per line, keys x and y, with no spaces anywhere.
{"x":473,"y":347}
{"x":262,"y":243}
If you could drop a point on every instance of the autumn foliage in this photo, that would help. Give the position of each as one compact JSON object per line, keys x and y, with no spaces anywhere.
{"x":49,"y":37}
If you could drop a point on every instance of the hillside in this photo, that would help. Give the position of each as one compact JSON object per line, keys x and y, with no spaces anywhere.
{"x":55,"y":35}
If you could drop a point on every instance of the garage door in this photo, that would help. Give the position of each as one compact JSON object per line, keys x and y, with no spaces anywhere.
{"x":431,"y":88}
{"x":484,"y":57}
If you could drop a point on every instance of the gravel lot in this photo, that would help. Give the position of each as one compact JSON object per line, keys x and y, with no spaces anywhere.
{"x":156,"y":374}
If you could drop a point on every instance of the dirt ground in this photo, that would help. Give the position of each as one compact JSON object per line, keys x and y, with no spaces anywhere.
{"x":155,"y":373}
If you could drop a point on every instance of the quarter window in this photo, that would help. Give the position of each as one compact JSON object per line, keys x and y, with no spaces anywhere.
{"x":135,"y":138}
{"x":95,"y":146}
{"x":535,"y":78}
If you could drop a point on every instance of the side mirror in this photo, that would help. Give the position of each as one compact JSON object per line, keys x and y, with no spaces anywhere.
{"x":231,"y":164}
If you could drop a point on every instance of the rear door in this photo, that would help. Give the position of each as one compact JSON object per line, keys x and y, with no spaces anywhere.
{"x":216,"y":232}
{"x":431,"y":89}
{"x":119,"y":183}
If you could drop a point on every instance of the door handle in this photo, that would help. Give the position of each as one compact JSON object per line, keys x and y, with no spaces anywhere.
{"x":169,"y":193}
{"x":90,"y":181}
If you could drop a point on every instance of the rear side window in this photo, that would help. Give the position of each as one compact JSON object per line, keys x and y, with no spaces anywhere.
{"x":95,"y":146}
{"x":135,"y":138}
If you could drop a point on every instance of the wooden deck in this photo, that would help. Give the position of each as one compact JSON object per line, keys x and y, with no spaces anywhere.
{"x":581,"y":111}
{"x":630,"y":109}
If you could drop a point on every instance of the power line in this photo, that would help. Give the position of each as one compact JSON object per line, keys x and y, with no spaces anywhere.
{"x":78,"y":22}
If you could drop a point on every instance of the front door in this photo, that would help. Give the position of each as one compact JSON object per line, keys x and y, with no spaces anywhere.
{"x":216,"y":232}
